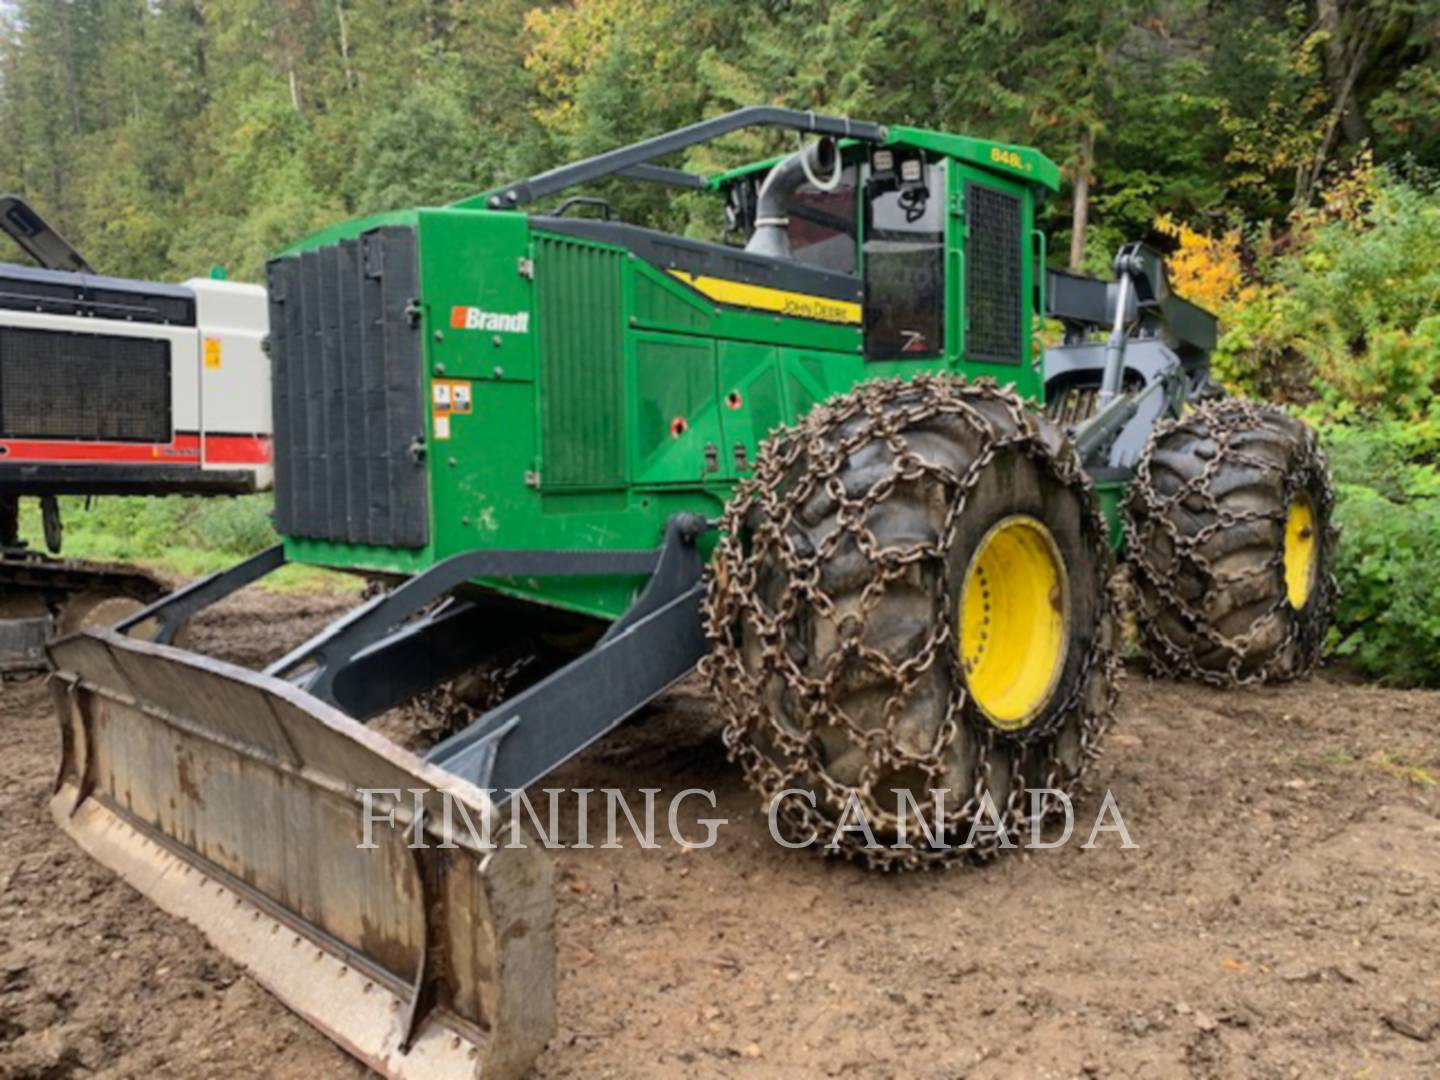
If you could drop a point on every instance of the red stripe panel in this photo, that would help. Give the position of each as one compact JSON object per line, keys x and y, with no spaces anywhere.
{"x":184,"y":449}
{"x":238,"y":450}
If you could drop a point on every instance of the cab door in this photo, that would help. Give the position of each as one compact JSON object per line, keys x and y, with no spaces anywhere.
{"x":903,"y":258}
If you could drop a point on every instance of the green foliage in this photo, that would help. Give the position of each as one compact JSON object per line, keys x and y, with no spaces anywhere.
{"x":164,"y":137}
{"x":1407,"y":113}
{"x":396,"y":169}
{"x":176,"y":536}
{"x":1366,"y":303}
{"x":149,"y":529}
{"x":1388,"y":619}
{"x":1349,"y":316}
{"x":1387,"y":623}
{"x":1395,"y":460}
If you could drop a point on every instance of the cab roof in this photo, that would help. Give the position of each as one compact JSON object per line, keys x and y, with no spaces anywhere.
{"x":1014,"y":162}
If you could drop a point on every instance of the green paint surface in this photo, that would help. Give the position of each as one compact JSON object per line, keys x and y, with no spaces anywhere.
{"x":630,"y":397}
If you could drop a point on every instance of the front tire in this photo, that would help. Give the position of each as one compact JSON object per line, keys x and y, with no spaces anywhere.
{"x":1230,"y":545}
{"x":911,"y":596}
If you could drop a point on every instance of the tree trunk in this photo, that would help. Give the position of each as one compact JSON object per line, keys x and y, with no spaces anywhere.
{"x":1080,"y":217}
{"x":202,"y":70}
{"x":344,"y":46}
{"x":1308,"y":175}
{"x":1343,"y":61}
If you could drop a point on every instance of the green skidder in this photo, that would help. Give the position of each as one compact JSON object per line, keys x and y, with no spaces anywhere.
{"x":820,"y":456}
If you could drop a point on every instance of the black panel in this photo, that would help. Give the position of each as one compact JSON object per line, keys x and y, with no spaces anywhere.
{"x":994,"y":254}
{"x":64,"y":292}
{"x":347,"y":379}
{"x":58,"y":385}
{"x":121,"y":478}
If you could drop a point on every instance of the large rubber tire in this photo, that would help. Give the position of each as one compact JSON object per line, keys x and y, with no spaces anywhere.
{"x":834,"y":606}
{"x":1206,"y":540}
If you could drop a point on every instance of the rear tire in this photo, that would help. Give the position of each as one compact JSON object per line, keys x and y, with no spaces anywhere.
{"x":912,"y":595}
{"x":1231,"y":549}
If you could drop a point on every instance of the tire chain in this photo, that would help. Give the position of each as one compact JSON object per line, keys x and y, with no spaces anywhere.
{"x":797,"y":463}
{"x":1220,"y":421}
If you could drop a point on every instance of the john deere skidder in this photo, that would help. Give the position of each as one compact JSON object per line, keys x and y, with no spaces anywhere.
{"x":825,"y":461}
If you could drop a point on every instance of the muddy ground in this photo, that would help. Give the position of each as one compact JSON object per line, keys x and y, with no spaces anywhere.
{"x":1281,"y":916}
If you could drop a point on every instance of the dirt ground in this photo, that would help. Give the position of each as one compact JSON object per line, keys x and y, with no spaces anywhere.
{"x":1280,"y":917}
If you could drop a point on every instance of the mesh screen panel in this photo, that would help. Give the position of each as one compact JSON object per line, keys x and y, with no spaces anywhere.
{"x":83,"y":386}
{"x":993,"y":267}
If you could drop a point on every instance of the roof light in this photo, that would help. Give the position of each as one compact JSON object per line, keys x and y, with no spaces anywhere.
{"x":883,"y":161}
{"x":910,"y":170}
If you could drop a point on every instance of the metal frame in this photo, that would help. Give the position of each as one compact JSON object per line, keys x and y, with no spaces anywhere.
{"x":658,"y":174}
{"x":380,"y":655}
{"x":316,"y":665}
{"x":656,"y":643}
{"x":171,"y":612}
{"x":19,"y":478}
{"x":1085,"y":304}
{"x":1154,"y":334}
{"x":632,"y":160}
{"x":23,"y":224}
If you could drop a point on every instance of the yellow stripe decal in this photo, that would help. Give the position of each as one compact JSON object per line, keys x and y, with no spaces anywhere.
{"x":800,"y":305}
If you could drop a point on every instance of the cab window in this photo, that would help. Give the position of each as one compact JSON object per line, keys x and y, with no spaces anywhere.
{"x":904,"y":260}
{"x":822,"y":225}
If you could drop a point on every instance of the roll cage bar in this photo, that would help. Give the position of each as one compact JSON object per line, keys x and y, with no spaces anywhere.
{"x":633,"y":161}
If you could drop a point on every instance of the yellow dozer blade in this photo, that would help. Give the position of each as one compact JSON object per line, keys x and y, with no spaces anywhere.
{"x":233,"y":799}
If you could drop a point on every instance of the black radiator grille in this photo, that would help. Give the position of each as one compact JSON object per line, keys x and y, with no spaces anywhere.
{"x":102,"y":387}
{"x":995,"y":325}
{"x":349,"y":414}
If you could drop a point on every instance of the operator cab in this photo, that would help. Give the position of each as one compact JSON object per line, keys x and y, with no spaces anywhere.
{"x":875,"y":214}
{"x":850,"y":233}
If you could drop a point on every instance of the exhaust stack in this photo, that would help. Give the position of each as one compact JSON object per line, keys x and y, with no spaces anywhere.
{"x":818,"y":164}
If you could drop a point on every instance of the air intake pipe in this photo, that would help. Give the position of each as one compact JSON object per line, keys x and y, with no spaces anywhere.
{"x":820,"y":166}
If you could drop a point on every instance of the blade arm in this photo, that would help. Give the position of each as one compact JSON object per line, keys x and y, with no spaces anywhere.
{"x":171,"y":612}
{"x":653,"y":646}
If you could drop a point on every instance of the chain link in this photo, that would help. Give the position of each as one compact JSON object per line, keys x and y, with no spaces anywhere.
{"x":782,"y":696}
{"x":1221,"y":429}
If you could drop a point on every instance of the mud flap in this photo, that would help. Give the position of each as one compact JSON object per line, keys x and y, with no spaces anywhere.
{"x":233,"y":800}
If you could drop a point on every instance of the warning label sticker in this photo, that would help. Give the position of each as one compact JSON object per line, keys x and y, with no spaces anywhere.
{"x":450,"y":395}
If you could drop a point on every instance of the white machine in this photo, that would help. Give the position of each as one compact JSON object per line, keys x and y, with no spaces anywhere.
{"x":110,"y":386}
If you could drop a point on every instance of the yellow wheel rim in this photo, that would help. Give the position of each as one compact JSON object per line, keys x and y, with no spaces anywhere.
{"x":1299,"y":551}
{"x":1014,"y":621}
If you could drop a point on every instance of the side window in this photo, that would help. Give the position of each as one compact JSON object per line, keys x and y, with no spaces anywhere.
{"x":994,"y":254}
{"x":822,"y":225}
{"x":905,"y":268}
